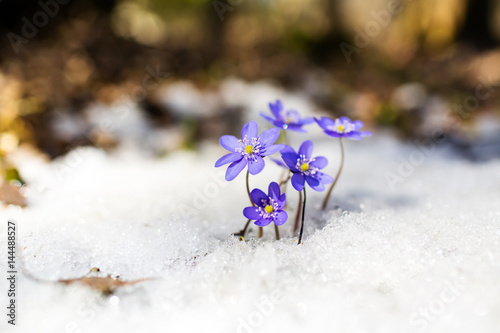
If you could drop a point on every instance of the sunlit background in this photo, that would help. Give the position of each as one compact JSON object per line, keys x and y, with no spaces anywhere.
{"x":409,"y":66}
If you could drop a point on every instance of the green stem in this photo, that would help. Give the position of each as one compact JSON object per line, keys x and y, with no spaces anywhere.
{"x":243,"y":232}
{"x":297,"y":215}
{"x":285,"y":137}
{"x":283,"y":184}
{"x":261,"y":231}
{"x":303,"y":213}
{"x":325,"y":201}
{"x":248,"y":189}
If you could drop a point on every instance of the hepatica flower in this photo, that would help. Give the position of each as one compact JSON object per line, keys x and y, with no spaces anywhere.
{"x":286,"y":119}
{"x":249,"y":150}
{"x":342,"y":127}
{"x":268,"y":207}
{"x":306,"y":168}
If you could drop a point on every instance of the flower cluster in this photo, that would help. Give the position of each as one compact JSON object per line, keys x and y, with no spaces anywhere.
{"x":251,"y":149}
{"x":269,"y":207}
{"x":286,"y":119}
{"x":342,"y":127}
{"x":305,"y":168}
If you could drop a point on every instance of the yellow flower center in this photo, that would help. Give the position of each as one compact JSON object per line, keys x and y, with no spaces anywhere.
{"x":249,"y":149}
{"x":341,"y":128}
{"x":304,"y":166}
{"x":269,"y":209}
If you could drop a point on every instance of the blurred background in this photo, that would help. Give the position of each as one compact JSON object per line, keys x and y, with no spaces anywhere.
{"x":101,"y":73}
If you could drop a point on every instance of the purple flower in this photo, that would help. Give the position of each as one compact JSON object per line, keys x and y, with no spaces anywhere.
{"x":342,"y":127}
{"x":248,"y":150}
{"x":269,"y":208}
{"x":305,"y":168}
{"x":286,"y":119}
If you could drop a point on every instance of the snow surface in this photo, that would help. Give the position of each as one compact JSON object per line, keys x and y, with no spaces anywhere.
{"x":409,"y":243}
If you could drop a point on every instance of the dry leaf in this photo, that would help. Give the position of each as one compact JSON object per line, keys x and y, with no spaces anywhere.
{"x":11,"y":195}
{"x":106,"y":285}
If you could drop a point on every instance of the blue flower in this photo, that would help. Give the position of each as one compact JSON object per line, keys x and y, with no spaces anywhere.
{"x":249,"y":150}
{"x":305,"y":168}
{"x":342,"y":127}
{"x":269,"y":208}
{"x":286,"y":119}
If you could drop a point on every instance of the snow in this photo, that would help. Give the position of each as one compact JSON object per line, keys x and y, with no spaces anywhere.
{"x":409,"y":243}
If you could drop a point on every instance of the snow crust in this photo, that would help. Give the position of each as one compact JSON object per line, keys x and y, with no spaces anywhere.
{"x":409,"y":243}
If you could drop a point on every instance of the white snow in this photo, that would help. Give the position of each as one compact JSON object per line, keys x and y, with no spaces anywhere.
{"x":420,"y":255}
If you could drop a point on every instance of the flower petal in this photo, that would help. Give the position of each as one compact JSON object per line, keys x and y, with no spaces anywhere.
{"x":272,"y":149}
{"x":291,"y":114}
{"x":290,"y":160}
{"x":345,"y":120}
{"x":333,"y":134}
{"x":262,"y":222}
{"x":306,"y":149}
{"x":256,"y":166}
{"x":288,"y":149}
{"x":268,"y":137}
{"x":319,"y":162}
{"x":274,"y":191}
{"x":259,"y":197}
{"x":312,"y":181}
{"x":357,"y":124}
{"x":276,"y":107}
{"x":279,"y":124}
{"x":280,"y":163}
{"x":234,"y":169}
{"x":250,"y":130}
{"x":325,"y":122}
{"x":298,"y":181}
{"x":320,"y":187}
{"x":230,"y":142}
{"x":251,"y":213}
{"x":365,"y":133}
{"x":324,"y":178}
{"x":353,"y":135}
{"x":282,"y":201}
{"x":266,"y":117}
{"x":281,"y":217}
{"x":228,"y":158}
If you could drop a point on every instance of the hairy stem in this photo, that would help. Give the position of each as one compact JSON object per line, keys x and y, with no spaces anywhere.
{"x":303,"y":213}
{"x":277,"y":232}
{"x":297,"y":215}
{"x":243,"y":232}
{"x":327,"y":197}
{"x":261,"y":231}
{"x":284,"y":181}
{"x":248,"y":189}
